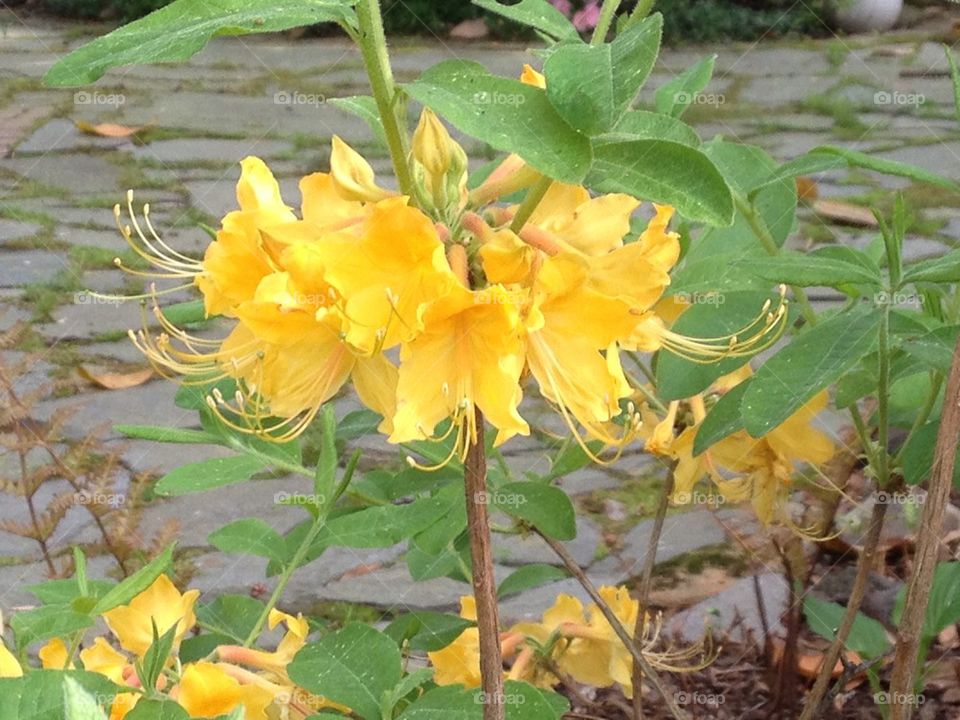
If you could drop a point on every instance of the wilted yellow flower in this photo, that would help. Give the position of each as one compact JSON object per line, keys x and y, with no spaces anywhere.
{"x":162,"y":605}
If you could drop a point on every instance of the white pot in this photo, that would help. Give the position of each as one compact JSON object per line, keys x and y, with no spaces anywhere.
{"x":858,"y":16}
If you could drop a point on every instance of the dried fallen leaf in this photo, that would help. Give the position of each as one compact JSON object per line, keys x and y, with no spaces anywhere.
{"x":845,"y":213}
{"x":117,"y":381}
{"x":111,"y":130}
{"x":807,"y":189}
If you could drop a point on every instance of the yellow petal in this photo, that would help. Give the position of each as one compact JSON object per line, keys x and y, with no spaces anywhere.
{"x":9,"y":665}
{"x":353,"y":177}
{"x":206,"y":691}
{"x":529,"y":76}
{"x":375,"y":380}
{"x":161,"y":604}
{"x":54,"y":655}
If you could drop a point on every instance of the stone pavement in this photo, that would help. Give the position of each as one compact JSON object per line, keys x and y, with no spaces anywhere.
{"x":267,"y":96}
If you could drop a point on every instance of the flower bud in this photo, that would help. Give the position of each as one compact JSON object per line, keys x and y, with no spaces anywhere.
{"x":432,"y":144}
{"x":352,"y":176}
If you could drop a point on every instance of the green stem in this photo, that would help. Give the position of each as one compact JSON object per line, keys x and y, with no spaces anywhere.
{"x":607,"y":13}
{"x":373,"y":46}
{"x":291,"y":567}
{"x":760,"y":229}
{"x":883,"y":400}
{"x":642,"y":9}
{"x":530,"y":202}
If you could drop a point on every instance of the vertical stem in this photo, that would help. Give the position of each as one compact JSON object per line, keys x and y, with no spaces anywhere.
{"x":925,"y":559}
{"x":642,"y":9}
{"x":649,"y":561}
{"x":484,"y":587}
{"x":607,"y":13}
{"x":530,"y":201}
{"x":373,"y":46}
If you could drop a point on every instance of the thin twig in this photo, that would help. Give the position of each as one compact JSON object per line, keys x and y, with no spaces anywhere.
{"x":811,"y":710}
{"x":643,"y":596}
{"x":617,"y":626}
{"x":925,"y":558}
{"x":484,"y":587}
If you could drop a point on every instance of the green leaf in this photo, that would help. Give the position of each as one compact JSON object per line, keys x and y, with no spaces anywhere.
{"x":46,"y":622}
{"x":157,"y":655}
{"x":387,"y":525}
{"x":545,"y":507}
{"x":643,"y":124}
{"x":357,"y":424}
{"x":42,"y":692}
{"x":592,"y":86}
{"x":185,"y":313}
{"x":64,"y":592}
{"x":325,"y":476}
{"x":674,"y":97}
{"x":812,"y":361}
{"x":507,"y":114}
{"x":416,"y":679}
{"x":955,"y":76}
{"x":711,"y":316}
{"x":525,"y":702}
{"x":943,"y":605}
{"x":867,"y":637}
{"x":538,"y":14}
{"x":570,"y":458}
{"x":250,"y":536}
{"x":449,"y":702}
{"x":354,"y":666}
{"x":157,"y":710}
{"x":529,"y":576}
{"x":234,"y":616}
{"x":917,"y":460}
{"x":135,"y":584}
{"x":365,"y":108}
{"x":723,"y":420}
{"x":208,"y":474}
{"x":945,"y":269}
{"x":167,"y":434}
{"x":808,"y":270}
{"x":665,"y":172}
{"x":194,"y":397}
{"x":181,"y":29}
{"x":10,"y":691}
{"x":427,"y":630}
{"x":935,"y":348}
{"x":78,"y":704}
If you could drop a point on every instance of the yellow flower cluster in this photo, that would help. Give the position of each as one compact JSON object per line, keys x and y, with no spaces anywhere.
{"x":235,"y":677}
{"x":570,"y":642}
{"x":741,"y":467}
{"x":471,"y":304}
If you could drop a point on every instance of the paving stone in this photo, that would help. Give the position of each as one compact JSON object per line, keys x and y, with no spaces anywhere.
{"x":60,"y":135}
{"x":682,"y":533}
{"x":589,"y":480}
{"x":778,"y":92}
{"x":735,"y":611}
{"x":89,"y":316}
{"x":22,"y":267}
{"x":529,"y":606}
{"x":10,"y":316}
{"x":217,"y":197}
{"x":76,"y":174}
{"x":14,"y":230}
{"x":194,"y":150}
{"x":514,"y":550}
{"x":14,"y":580}
{"x":940,"y":158}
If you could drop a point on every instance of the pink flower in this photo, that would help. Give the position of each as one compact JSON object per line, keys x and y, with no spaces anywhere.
{"x":588,"y":17}
{"x":563,"y":6}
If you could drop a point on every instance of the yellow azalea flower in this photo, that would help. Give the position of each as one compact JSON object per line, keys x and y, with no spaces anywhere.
{"x":273,"y":662}
{"x":468,"y":356}
{"x":54,"y":655}
{"x":162,"y":605}
{"x":459,"y":662}
{"x":529,"y":76}
{"x":9,"y":665}
{"x":388,"y":274}
{"x":205,"y":690}
{"x":104,"y":659}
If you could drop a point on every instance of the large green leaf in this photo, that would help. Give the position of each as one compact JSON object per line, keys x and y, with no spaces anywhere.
{"x":943,"y":605}
{"x":427,"y":630}
{"x":806,"y":270}
{"x":867,"y":636}
{"x":386,"y":525}
{"x":233,"y":616}
{"x":813,"y":360}
{"x":723,"y":420}
{"x":709,"y":316}
{"x":545,"y":507}
{"x":354,"y":666}
{"x":46,"y":622}
{"x":250,"y":536}
{"x":42,"y":692}
{"x":157,"y":710}
{"x":674,"y":97}
{"x":592,"y":86}
{"x":917,"y":460}
{"x":529,"y":576}
{"x":944,"y":269}
{"x":538,"y":14}
{"x":507,"y":114}
{"x":646,"y":125}
{"x":78,"y":704}
{"x":934,"y":348}
{"x":208,"y":474}
{"x":665,"y":172}
{"x":179,"y":30}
